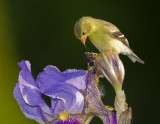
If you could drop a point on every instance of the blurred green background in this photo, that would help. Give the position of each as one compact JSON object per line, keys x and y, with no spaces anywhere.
{"x":42,"y":31}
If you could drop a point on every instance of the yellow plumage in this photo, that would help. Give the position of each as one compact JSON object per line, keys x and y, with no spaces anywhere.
{"x":104,"y":36}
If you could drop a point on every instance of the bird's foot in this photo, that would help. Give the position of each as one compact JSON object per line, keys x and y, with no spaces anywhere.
{"x":110,"y":51}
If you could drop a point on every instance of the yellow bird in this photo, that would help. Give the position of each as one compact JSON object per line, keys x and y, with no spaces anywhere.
{"x":104,"y":36}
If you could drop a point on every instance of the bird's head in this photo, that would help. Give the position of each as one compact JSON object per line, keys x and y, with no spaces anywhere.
{"x":83,"y":28}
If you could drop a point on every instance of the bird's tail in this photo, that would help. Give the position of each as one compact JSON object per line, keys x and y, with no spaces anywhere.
{"x":133,"y":57}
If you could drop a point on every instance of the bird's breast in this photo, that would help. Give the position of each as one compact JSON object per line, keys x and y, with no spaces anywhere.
{"x":105,"y":41}
{"x":101,"y":41}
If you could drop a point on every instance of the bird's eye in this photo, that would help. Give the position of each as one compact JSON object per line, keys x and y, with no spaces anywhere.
{"x":83,"y":33}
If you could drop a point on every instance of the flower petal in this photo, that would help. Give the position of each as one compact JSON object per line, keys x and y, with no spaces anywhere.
{"x":51,"y":76}
{"x":116,"y":64}
{"x":109,"y":119}
{"x":73,"y":119}
{"x":25,"y":73}
{"x":29,"y":111}
{"x":73,"y":99}
{"x":75,"y":78}
{"x":110,"y":66}
{"x":29,"y":88}
{"x":93,"y":103}
{"x":58,"y":105}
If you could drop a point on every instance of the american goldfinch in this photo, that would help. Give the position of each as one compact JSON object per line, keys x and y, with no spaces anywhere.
{"x":104,"y":36}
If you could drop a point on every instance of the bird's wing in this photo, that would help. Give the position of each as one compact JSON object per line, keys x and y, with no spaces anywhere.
{"x":118,"y":35}
{"x":115,"y":32}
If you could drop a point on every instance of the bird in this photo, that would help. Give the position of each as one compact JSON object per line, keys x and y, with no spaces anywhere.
{"x":104,"y":36}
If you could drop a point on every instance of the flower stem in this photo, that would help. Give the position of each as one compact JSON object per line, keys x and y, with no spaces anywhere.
{"x":122,"y":111}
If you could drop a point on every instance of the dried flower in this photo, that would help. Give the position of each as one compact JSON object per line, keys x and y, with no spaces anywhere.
{"x":110,"y":66}
{"x":93,"y":104}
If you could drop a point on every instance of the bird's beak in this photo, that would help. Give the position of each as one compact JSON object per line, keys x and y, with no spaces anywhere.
{"x":83,"y":40}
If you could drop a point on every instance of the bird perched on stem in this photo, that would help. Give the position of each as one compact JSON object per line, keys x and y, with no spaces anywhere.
{"x":104,"y":36}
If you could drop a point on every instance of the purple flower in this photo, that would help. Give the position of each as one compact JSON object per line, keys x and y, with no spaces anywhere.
{"x":74,"y":96}
{"x":63,"y":88}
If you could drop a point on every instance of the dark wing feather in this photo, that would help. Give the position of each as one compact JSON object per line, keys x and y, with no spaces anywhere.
{"x":118,"y":35}
{"x":115,"y":32}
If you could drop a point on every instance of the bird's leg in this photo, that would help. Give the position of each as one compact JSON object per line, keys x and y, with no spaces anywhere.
{"x":111,"y":52}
